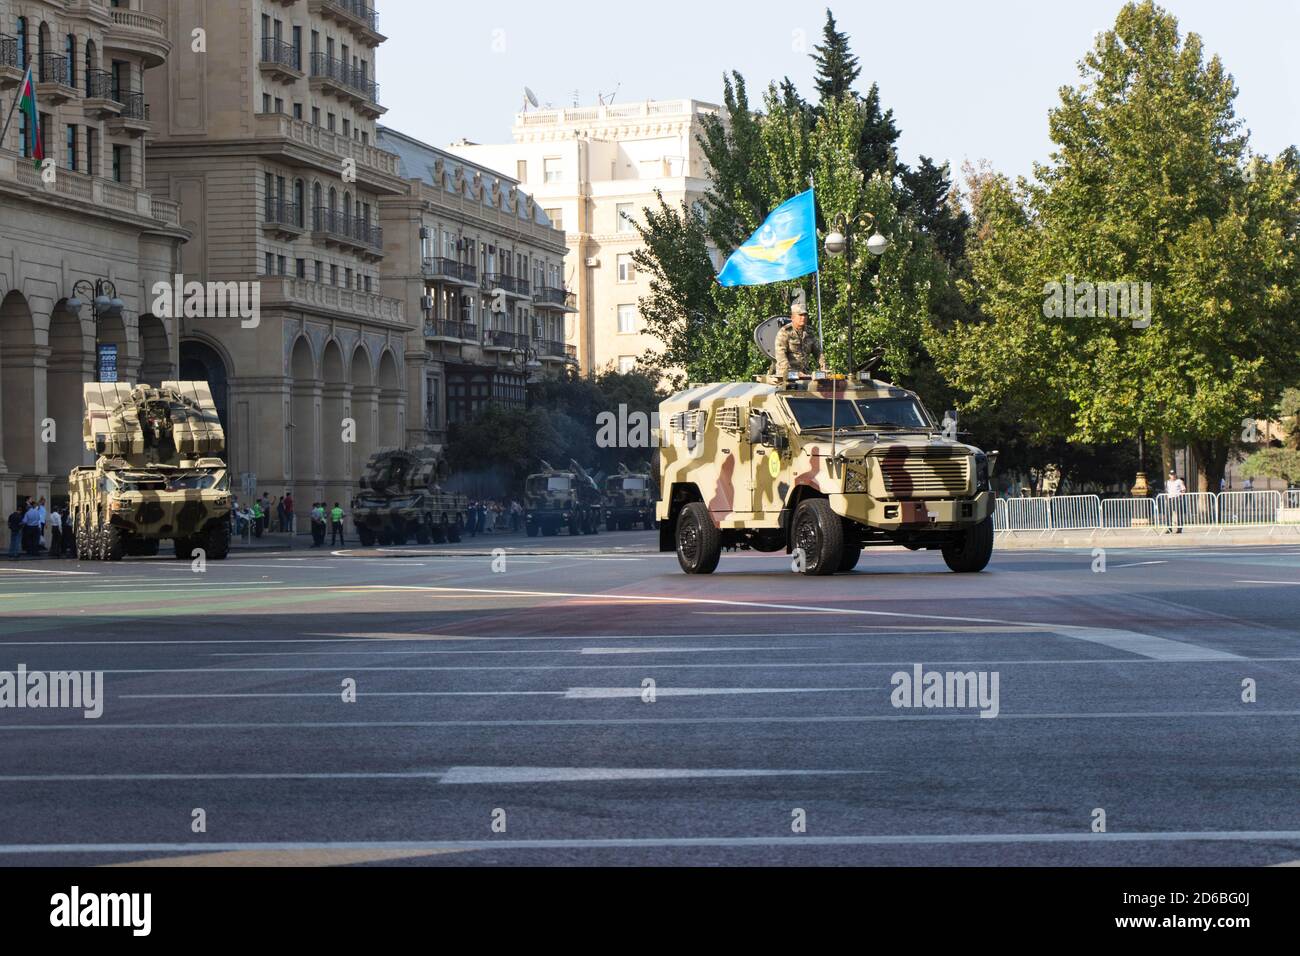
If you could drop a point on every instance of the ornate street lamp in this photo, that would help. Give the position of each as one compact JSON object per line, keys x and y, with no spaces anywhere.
{"x":104,"y":303}
{"x":839,"y":242}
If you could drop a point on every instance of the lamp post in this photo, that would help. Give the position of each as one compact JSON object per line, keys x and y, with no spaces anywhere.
{"x":839,"y":242}
{"x":525,"y":360}
{"x":103,"y":304}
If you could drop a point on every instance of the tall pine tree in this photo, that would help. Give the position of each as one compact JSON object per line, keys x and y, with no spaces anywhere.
{"x":837,"y":67}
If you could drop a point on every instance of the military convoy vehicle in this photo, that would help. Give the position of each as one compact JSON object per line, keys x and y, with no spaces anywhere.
{"x":555,"y":499}
{"x":630,"y":499}
{"x":820,"y":467}
{"x":401,"y":498}
{"x":159,"y":474}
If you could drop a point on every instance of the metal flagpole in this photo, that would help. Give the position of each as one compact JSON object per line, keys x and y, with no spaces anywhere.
{"x":17,"y":96}
{"x":821,"y":339}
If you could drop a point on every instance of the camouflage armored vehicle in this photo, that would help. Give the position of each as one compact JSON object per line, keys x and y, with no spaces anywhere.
{"x":159,"y":474}
{"x":401,"y":498}
{"x":821,"y":466}
{"x":630,"y":499}
{"x":555,"y":499}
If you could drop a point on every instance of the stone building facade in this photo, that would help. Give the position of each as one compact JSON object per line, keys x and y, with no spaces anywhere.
{"x":85,"y":224}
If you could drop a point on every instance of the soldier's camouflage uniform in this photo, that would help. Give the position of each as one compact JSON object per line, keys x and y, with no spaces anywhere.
{"x":797,"y":351}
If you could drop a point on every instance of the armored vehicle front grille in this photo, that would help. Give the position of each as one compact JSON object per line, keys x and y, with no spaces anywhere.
{"x":925,"y":477}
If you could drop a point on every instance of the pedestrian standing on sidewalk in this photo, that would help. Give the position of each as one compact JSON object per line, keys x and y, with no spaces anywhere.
{"x":56,"y":534}
{"x":1175,"y":489}
{"x":32,"y":529}
{"x":336,"y":526}
{"x":45,"y":518}
{"x":288,"y":512}
{"x":15,"y":531}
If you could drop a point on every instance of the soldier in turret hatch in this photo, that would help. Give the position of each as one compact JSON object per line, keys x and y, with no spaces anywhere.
{"x":796,"y":346}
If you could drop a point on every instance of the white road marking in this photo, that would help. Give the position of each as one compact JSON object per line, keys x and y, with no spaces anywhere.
{"x":40,"y":571}
{"x":334,"y":695}
{"x":633,"y":843}
{"x":1147,"y":645}
{"x":1137,"y":564}
{"x":617,"y":693}
{"x":503,"y":775}
{"x":675,"y":650}
{"x":1290,"y":583}
{"x":370,"y":726}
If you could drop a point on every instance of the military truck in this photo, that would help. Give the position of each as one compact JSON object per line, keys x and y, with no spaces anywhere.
{"x":630,"y":498}
{"x":568,"y":498}
{"x":159,"y":473}
{"x":401,"y":498}
{"x":821,"y":467}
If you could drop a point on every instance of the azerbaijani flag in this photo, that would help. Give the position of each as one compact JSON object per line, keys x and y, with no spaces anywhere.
{"x":27,"y":103}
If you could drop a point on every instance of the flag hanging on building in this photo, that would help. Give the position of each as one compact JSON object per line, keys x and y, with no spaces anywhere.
{"x":27,"y":103}
{"x":784,"y":247}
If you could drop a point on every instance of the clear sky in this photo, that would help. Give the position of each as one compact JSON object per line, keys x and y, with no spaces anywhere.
{"x":966,"y":80}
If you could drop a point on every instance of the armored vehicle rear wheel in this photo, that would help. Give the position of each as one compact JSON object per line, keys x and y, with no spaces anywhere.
{"x":217,"y":541}
{"x":385,"y":538}
{"x":184,"y":548}
{"x":453,"y":532}
{"x":114,"y":544}
{"x":849,"y":559}
{"x":699,"y":543}
{"x":366,"y":537}
{"x":971,"y":552}
{"x":439,"y":533}
{"x":819,"y":534}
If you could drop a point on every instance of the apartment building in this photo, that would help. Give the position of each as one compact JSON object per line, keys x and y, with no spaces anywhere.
{"x":475,"y":258}
{"x":594,"y":170}
{"x":264,"y":124}
{"x":82,"y":240}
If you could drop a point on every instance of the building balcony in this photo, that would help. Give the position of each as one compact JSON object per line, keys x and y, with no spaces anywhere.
{"x":54,"y":82}
{"x":320,"y":149}
{"x":320,"y":297}
{"x":558,"y":300}
{"x":549,"y":349}
{"x":134,"y":117}
{"x":449,"y":330}
{"x":338,"y":79}
{"x":143,"y":34}
{"x":111,"y":200}
{"x":100,"y":103}
{"x":356,"y":15}
{"x":11,"y":71}
{"x":333,"y":227}
{"x":284,"y":220}
{"x":508,"y":284}
{"x":449,"y":270}
{"x":281,"y":61}
{"x":497,"y":340}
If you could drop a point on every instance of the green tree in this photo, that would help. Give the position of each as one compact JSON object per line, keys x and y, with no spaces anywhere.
{"x":1281,"y":461}
{"x":1150,"y":183}
{"x":837,"y":67}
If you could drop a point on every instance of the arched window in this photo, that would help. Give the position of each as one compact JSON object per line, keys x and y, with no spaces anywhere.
{"x":42,"y":48}
{"x":299,"y":199}
{"x":347,"y":205}
{"x":334,"y":199}
{"x":22,"y":42}
{"x":316,"y":207}
{"x":70,"y":51}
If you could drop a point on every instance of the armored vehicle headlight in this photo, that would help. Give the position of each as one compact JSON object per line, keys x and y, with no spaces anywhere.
{"x":855,"y":481}
{"x":982,"y":472}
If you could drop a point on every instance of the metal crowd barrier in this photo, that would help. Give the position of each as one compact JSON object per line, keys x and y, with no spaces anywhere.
{"x":1199,"y":510}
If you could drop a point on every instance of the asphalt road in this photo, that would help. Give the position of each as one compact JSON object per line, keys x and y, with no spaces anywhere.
{"x":512,"y":690}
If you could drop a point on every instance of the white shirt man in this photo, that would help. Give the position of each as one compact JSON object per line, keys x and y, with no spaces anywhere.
{"x":1175,"y":489}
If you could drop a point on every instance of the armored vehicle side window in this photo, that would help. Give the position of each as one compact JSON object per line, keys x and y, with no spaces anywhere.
{"x":903,"y":412}
{"x":818,"y":412}
{"x":634,"y":484}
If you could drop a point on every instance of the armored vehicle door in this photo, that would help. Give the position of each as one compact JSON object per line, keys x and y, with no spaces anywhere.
{"x":735,"y":461}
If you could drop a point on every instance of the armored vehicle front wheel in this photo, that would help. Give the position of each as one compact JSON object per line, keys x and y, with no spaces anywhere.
{"x":819,"y":534}
{"x":217,"y":541}
{"x":114,"y":544}
{"x":699,"y":543}
{"x":971,"y":552}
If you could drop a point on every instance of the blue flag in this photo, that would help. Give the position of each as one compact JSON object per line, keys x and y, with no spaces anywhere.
{"x":784,"y":247}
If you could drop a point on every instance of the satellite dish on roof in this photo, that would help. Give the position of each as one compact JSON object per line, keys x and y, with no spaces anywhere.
{"x":530,"y":97}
